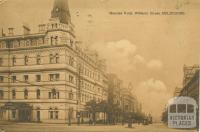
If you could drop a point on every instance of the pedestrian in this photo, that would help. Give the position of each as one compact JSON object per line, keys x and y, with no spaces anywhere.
{"x":90,"y":121}
{"x":78,"y":119}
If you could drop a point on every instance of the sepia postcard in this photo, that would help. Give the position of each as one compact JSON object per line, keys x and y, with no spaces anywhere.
{"x":99,"y":65}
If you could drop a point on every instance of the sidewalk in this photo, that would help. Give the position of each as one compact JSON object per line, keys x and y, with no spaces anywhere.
{"x":59,"y":124}
{"x":6,"y":123}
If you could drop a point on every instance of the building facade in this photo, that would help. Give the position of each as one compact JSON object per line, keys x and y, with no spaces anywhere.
{"x":191,"y":82}
{"x":191,"y":85}
{"x":121,"y":98}
{"x":46,"y":76}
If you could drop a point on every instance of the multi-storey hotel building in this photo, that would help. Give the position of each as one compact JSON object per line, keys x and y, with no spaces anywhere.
{"x":47,"y":77}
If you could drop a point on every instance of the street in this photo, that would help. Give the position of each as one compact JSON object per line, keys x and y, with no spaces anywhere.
{"x":64,"y":128}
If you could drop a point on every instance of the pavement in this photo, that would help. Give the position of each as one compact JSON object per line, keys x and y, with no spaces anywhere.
{"x":33,"y":127}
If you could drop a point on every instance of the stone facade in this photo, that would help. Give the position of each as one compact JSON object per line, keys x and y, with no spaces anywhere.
{"x":48,"y":74}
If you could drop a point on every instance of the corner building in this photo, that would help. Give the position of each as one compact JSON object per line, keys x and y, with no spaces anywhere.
{"x":47,"y":77}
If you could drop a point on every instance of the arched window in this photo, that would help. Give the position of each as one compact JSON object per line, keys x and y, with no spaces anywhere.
{"x":56,"y":40}
{"x":56,"y":113}
{"x":50,"y":113}
{"x":25,"y":94}
{"x":54,"y":94}
{"x":53,"y":113}
{"x":57,"y":58}
{"x":38,"y":94}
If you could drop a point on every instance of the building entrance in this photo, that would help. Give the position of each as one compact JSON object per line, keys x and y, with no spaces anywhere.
{"x":21,"y":112}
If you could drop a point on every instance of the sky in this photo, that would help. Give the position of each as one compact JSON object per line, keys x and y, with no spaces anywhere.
{"x":147,"y":50}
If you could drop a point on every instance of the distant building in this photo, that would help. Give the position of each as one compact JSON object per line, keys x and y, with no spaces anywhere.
{"x":114,"y":89}
{"x":47,"y":77}
{"x":191,"y":88}
{"x":189,"y":72}
{"x":177,"y":91}
{"x":120,"y":96}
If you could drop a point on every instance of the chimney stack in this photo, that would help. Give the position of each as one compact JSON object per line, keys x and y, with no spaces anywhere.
{"x":26,"y":29}
{"x":10,"y":31}
{"x":2,"y":33}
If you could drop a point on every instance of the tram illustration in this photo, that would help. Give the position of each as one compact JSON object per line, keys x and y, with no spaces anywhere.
{"x":182,"y":112}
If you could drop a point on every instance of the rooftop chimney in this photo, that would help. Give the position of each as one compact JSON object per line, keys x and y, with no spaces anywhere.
{"x":2,"y":34}
{"x":10,"y":31}
{"x":42,"y":28}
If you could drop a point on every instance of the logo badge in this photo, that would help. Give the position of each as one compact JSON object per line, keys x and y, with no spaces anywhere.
{"x":182,"y":112}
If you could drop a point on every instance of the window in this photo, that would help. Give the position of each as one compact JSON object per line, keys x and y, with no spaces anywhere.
{"x":71,"y":79}
{"x":1,"y":94}
{"x":25,"y":94}
{"x":50,"y":113}
{"x":54,"y":58}
{"x":56,"y":113}
{"x":71,"y":43}
{"x":13,"y":60}
{"x":26,"y":60}
{"x":71,"y":61}
{"x":71,"y":96}
{"x":53,"y":94}
{"x":56,"y":40}
{"x":52,"y":41}
{"x":57,"y":58}
{"x":13,"y":114}
{"x":53,"y":114}
{"x":54,"y":77}
{"x":13,"y":94}
{"x":14,"y":79}
{"x":51,"y":58}
{"x":190,"y":108}
{"x":57,"y":77}
{"x":1,"y":79}
{"x":38,"y":78}
{"x":181,"y":108}
{"x":38,"y":94}
{"x":1,"y":61}
{"x":99,"y":90}
{"x":38,"y":59}
{"x":25,"y":78}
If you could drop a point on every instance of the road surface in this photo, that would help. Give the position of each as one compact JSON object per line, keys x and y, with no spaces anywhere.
{"x":64,"y":128}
